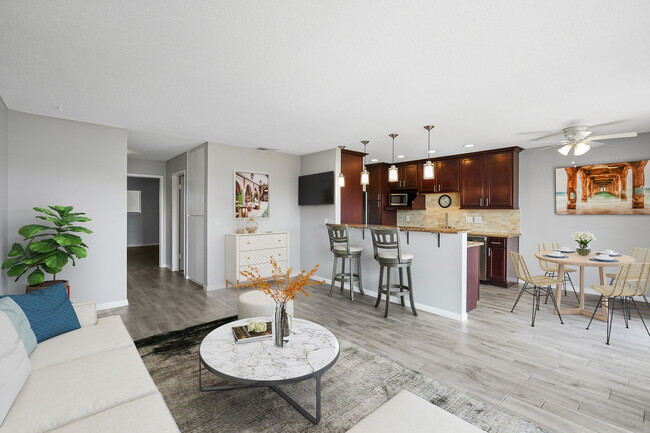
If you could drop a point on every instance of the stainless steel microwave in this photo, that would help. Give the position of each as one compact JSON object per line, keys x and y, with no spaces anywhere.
{"x":398,"y":200}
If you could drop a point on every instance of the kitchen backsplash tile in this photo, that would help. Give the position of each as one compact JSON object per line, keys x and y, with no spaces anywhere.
{"x":493,"y":220}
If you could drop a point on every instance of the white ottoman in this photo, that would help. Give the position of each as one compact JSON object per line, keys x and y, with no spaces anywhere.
{"x":256,"y":304}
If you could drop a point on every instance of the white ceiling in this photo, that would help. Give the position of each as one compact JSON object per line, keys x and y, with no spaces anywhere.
{"x":303,"y":76}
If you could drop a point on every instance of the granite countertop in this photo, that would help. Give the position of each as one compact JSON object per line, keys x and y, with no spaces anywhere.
{"x":470,"y":232}
{"x":471,"y":244}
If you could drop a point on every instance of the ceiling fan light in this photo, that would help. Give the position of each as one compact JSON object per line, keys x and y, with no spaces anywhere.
{"x":428,"y":171}
{"x":392,"y":173}
{"x":564,"y":150}
{"x":581,"y":148}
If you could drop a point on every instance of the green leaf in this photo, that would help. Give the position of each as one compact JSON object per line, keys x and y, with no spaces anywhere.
{"x":47,"y":211}
{"x":56,"y":259}
{"x":78,"y":219}
{"x":50,"y":270}
{"x":35,"y":277}
{"x":35,"y":259}
{"x":77,"y":229}
{"x":78,"y":251}
{"x":30,"y":230}
{"x":16,"y":250}
{"x":18,"y":270}
{"x":57,"y":222}
{"x":61,"y":210}
{"x":44,"y":246}
{"x":11,"y":262}
{"x":66,"y":239}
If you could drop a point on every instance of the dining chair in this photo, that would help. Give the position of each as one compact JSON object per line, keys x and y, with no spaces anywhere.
{"x":341,"y":248}
{"x":631,"y":280}
{"x":641,"y":255}
{"x":550,"y":269}
{"x":539,"y":283}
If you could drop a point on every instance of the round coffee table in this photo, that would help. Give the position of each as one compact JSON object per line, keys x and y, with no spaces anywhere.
{"x":313,"y":350}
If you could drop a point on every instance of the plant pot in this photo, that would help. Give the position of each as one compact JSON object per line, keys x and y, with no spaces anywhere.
{"x":583,"y":251}
{"x":45,"y":284}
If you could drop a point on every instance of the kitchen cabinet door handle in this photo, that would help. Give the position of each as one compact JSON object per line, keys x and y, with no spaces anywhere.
{"x":487,"y":201}
{"x":481,"y":202}
{"x":378,"y":204}
{"x":378,"y":197}
{"x":489,"y":252}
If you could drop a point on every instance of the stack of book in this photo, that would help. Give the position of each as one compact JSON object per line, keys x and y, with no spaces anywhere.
{"x":243,"y":335}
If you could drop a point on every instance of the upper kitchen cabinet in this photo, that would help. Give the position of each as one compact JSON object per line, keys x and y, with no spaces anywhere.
{"x":407,"y":176}
{"x":446,"y":176}
{"x":377,"y":195}
{"x":490,"y":180}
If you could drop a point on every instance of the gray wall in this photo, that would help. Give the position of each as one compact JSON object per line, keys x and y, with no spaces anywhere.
{"x":55,"y":161}
{"x":284,"y":170}
{"x":145,"y":166}
{"x":143,"y":227}
{"x":539,"y":223}
{"x":4,"y":241}
{"x":314,"y":247}
{"x":174,"y":165}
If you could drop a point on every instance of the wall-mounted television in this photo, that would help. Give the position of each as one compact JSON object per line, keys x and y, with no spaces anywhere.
{"x":315,"y":189}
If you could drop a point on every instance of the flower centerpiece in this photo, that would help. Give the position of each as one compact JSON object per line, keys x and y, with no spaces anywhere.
{"x":583,"y":239}
{"x":282,"y":288}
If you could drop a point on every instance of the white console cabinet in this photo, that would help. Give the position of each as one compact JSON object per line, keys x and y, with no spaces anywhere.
{"x":248,"y":251}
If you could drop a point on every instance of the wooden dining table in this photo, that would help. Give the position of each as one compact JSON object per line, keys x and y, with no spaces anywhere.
{"x":575,"y":259}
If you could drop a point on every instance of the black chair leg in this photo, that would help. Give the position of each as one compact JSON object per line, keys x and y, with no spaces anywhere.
{"x":600,"y":300}
{"x":342,"y":274}
{"x":387,"y":291}
{"x":360,"y":278}
{"x":333,"y":276}
{"x":379,"y":288}
{"x":568,"y":276}
{"x":550,"y":291}
{"x":637,"y":310}
{"x":610,"y":319}
{"x":535,"y":304}
{"x":523,"y":288}
{"x":408,"y":277}
{"x":401,"y":286}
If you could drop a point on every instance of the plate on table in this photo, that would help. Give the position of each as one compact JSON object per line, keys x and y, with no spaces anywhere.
{"x":555,"y":255}
{"x":567,"y":251}
{"x":598,"y":259}
{"x":614,"y":254}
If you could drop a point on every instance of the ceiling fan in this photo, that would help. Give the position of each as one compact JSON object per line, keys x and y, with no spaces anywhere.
{"x":580,"y":140}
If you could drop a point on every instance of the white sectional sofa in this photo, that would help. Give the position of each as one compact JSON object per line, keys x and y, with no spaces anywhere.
{"x":89,"y":380}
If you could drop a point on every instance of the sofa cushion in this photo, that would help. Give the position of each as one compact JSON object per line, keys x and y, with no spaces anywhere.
{"x":49,"y":311}
{"x":86,"y":313}
{"x":55,"y":396}
{"x":109,"y":333}
{"x":14,"y":365}
{"x":406,"y":412}
{"x":20,"y":322}
{"x":148,"y":414}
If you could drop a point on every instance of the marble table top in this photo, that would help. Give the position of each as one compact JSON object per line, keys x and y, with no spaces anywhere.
{"x":312,"y":348}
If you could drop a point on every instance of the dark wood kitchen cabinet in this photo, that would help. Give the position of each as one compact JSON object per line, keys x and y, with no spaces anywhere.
{"x":446,"y":176}
{"x":490,"y":180}
{"x":499,"y":269}
{"x":407,"y":176}
{"x":352,"y":192}
{"x":377,"y":193}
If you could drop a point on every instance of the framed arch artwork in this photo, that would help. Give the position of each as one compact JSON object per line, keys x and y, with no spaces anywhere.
{"x":251,"y":195}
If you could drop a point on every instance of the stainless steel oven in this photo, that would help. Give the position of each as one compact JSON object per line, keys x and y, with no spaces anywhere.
{"x":482,"y":275}
{"x":400,"y":199}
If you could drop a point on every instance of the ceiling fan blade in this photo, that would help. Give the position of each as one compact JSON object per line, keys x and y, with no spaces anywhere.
{"x":582,"y":135}
{"x":610,"y":136}
{"x":552,"y":146}
{"x":545,"y":141}
{"x":595,"y":143}
{"x":549,"y":135}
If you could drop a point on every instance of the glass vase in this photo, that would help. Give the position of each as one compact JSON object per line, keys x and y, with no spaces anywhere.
{"x":251,"y":225}
{"x":583,"y":250}
{"x":281,"y":329}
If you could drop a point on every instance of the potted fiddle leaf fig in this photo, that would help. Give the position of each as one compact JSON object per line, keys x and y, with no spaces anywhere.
{"x":49,"y":247}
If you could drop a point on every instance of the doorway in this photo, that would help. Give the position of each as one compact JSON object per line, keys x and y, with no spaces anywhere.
{"x":145,"y":215}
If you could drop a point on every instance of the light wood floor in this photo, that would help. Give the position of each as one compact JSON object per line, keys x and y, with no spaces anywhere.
{"x":562,"y":377}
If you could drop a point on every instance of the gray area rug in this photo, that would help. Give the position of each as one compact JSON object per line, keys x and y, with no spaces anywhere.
{"x":358,"y":383}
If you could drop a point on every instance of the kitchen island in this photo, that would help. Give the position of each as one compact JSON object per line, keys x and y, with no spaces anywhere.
{"x":439,"y":268}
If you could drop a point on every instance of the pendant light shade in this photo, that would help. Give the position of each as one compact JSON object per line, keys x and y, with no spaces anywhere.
{"x":581,"y":148}
{"x":428,"y":172}
{"x":392,"y":171}
{"x":365,"y":176}
{"x":341,"y":180}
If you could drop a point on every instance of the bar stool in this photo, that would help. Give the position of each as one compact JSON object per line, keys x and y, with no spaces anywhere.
{"x":341,"y":248}
{"x":388,"y":253}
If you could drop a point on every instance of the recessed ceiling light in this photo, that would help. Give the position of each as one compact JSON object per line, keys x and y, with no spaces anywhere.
{"x":431,"y":151}
{"x":468,"y":145}
{"x":374,"y":160}
{"x":401,"y":156}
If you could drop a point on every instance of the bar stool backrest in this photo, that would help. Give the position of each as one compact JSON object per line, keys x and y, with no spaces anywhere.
{"x":386,"y":240}
{"x":338,"y":234}
{"x":633,"y":276}
{"x":519,"y":265}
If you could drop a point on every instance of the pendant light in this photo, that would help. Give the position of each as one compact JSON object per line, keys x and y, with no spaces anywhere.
{"x":365,"y":176}
{"x":428,"y":172}
{"x":392,"y":171}
{"x":341,"y":179}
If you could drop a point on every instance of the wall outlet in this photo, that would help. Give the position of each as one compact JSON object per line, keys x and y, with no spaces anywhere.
{"x":408,"y":219}
{"x":477,"y":219}
{"x":468,"y":219}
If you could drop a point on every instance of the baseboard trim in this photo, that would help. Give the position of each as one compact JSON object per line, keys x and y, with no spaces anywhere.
{"x":209,"y":288}
{"x":110,"y":305}
{"x":395,"y":300}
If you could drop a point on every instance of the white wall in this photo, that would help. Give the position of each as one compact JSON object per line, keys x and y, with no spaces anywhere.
{"x":539,"y":223}
{"x":174,"y":165}
{"x":284,"y":170}
{"x":54,"y":161}
{"x":314,"y":246}
{"x":4,"y":241}
{"x":145,"y":167}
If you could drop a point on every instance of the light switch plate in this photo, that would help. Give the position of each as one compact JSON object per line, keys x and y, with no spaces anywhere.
{"x":408,"y":219}
{"x":477,"y":219}
{"x":468,"y":219}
